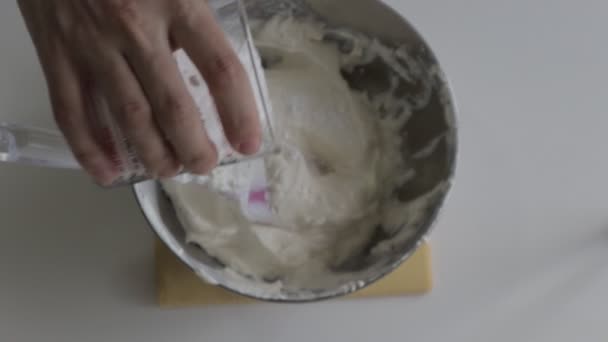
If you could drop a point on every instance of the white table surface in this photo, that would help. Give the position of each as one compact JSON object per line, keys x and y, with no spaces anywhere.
{"x":521,"y":251}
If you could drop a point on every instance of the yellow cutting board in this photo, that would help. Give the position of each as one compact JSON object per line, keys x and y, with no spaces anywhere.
{"x":178,"y":286}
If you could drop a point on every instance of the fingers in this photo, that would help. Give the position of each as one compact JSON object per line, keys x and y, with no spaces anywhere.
{"x":197,"y":32}
{"x":70,"y":110}
{"x":132,"y":112}
{"x":173,"y":107}
{"x":138,"y":76}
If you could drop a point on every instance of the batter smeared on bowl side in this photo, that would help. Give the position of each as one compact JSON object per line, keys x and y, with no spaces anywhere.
{"x":340,"y":101}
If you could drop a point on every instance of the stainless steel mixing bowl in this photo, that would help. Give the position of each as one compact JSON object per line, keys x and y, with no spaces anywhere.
{"x":434,"y":121}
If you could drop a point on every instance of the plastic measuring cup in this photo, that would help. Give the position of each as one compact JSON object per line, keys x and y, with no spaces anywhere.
{"x":43,"y":147}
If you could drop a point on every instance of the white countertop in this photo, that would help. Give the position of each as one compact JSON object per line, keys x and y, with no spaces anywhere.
{"x":521,"y":250}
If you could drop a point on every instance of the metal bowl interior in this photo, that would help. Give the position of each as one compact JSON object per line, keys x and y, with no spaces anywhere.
{"x":436,"y":119}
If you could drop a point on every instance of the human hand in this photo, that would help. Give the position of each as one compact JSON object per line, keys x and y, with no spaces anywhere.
{"x":123,"y":49}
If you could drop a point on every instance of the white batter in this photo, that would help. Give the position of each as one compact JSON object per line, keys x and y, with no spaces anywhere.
{"x":335,"y":166}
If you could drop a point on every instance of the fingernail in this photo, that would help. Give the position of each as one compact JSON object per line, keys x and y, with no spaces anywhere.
{"x":169,"y":172}
{"x":202,"y":166}
{"x":249,"y":147}
{"x":103,"y":178}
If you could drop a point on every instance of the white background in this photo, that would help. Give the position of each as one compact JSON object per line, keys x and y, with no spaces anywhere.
{"x":521,"y":251}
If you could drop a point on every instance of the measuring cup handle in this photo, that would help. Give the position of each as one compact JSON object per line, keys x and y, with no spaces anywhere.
{"x":35,"y":146}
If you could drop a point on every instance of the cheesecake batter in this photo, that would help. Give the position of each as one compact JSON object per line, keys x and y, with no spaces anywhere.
{"x":337,"y":166}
